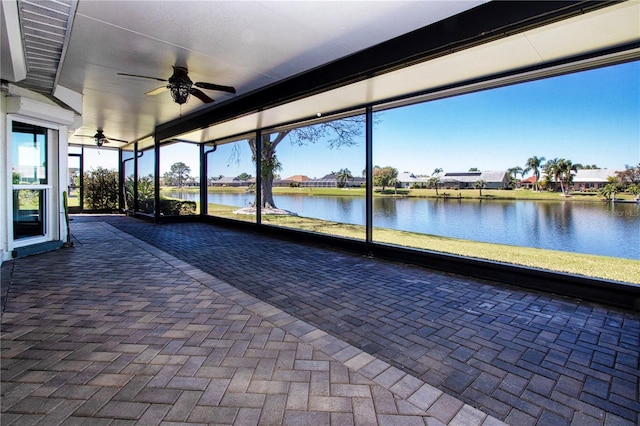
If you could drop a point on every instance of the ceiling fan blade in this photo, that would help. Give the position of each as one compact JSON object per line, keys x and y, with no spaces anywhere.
{"x":211,"y":86}
{"x":200,"y":95}
{"x":116,"y":140}
{"x":156,"y":91}
{"x":141,"y":76}
{"x":106,"y":139}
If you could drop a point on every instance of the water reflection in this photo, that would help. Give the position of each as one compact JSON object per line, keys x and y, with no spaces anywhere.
{"x":385,"y":207}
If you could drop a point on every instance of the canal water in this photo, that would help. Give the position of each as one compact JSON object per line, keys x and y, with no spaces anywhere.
{"x":593,"y":227}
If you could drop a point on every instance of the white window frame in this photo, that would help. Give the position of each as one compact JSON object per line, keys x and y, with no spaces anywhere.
{"x":50,"y":207}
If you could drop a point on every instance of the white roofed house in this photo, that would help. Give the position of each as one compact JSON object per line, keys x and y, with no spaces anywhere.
{"x":466,"y":180}
{"x":591,"y":179}
{"x":229,"y":181}
{"x":331,"y":181}
{"x":408,"y":180}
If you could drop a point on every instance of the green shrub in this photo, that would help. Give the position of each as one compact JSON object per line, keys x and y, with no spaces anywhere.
{"x":101,"y":189}
{"x":169,"y":207}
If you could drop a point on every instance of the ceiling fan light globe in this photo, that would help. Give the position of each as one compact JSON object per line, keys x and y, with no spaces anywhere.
{"x":99,"y":137}
{"x":180,"y":91}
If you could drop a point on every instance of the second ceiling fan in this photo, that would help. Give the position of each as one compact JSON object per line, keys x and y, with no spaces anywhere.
{"x":181,"y":86}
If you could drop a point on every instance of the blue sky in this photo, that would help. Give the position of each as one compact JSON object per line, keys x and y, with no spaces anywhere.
{"x":591,"y":117}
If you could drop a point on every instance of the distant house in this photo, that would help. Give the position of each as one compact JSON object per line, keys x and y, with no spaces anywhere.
{"x":229,"y":181}
{"x":298,"y":178}
{"x":331,"y":181}
{"x":586,"y":179}
{"x":465,"y":180}
{"x":528,"y":183}
{"x":409,"y":180}
{"x":295,"y":180}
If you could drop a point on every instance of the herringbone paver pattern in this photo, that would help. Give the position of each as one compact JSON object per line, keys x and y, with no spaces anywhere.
{"x":524,"y":357}
{"x":115,"y":331}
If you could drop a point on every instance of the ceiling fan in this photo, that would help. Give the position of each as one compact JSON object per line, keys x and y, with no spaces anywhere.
{"x":181,"y":86}
{"x":101,"y":139}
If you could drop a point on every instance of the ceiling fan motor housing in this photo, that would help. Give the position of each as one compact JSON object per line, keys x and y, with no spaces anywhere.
{"x":99,"y":137}
{"x":180,"y":85}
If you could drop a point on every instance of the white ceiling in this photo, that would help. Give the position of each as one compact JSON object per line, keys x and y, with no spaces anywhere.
{"x":245,"y":44}
{"x":252,"y":44}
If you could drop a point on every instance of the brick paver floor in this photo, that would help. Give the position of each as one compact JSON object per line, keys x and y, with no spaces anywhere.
{"x":520,"y":356}
{"x":115,"y":331}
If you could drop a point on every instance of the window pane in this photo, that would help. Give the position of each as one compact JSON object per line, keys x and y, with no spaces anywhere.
{"x":515,"y":174}
{"x":317,"y":178}
{"x":231,"y":181}
{"x":28,"y":213}
{"x":100,"y":180}
{"x":29,"y":146}
{"x":128,"y":170}
{"x":73,"y":170}
{"x":146,"y":181}
{"x":180,"y":180}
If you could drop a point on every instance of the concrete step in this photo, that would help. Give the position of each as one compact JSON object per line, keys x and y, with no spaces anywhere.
{"x":36,"y":249}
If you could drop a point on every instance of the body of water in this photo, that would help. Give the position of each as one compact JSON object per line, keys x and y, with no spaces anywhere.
{"x":582,"y":227}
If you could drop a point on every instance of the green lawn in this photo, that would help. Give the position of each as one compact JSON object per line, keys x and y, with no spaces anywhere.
{"x":612,"y":268}
{"x":74,"y":199}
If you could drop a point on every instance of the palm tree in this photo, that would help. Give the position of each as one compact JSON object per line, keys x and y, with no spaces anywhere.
{"x":343,"y":176}
{"x":513,"y":173}
{"x":564,"y":171}
{"x":552,"y":171}
{"x":533,"y":164}
{"x":609,"y":191}
{"x":479,"y":185}
{"x":435,"y":180}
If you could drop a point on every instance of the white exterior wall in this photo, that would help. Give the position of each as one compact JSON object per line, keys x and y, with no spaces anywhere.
{"x":18,"y":104}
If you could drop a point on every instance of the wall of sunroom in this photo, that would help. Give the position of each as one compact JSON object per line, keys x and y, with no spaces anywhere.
{"x":573,"y":45}
{"x":230,"y":158}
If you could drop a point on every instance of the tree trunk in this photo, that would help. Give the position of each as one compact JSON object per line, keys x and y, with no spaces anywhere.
{"x":266,"y":201}
{"x":268,"y":165}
